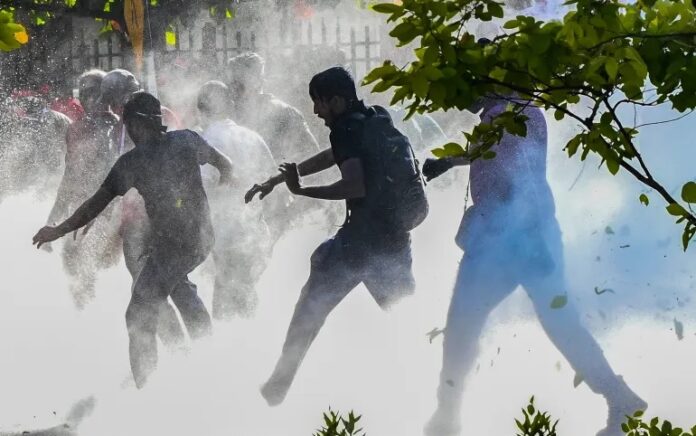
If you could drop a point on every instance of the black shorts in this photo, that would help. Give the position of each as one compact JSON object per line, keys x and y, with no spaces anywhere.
{"x":381,"y":262}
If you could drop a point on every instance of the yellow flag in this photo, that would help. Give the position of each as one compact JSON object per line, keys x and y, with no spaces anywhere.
{"x":134,"y":12}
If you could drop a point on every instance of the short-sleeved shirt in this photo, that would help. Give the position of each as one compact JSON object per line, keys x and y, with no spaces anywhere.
{"x":167,"y":175}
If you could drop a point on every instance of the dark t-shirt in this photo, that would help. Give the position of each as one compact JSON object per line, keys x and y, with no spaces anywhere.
{"x":167,"y":175}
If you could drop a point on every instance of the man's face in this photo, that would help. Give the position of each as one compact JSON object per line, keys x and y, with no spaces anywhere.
{"x":141,"y":130}
{"x":323,"y":110}
{"x":89,"y":93}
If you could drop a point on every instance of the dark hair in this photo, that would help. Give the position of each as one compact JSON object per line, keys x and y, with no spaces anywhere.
{"x":143,"y":105}
{"x":334,"y":82}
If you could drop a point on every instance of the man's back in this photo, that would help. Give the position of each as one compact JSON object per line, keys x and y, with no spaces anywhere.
{"x":282,"y":127}
{"x":244,"y":147}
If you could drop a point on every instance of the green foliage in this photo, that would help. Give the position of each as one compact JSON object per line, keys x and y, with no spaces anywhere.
{"x":600,"y":57}
{"x":635,"y":426}
{"x":12,"y":35}
{"x":337,"y":425}
{"x":535,"y":422}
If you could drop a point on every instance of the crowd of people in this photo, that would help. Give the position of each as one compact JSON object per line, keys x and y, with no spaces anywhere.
{"x":167,"y":198}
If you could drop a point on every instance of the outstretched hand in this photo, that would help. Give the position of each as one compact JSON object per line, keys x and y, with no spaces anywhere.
{"x":292,"y":177}
{"x":263,"y":190}
{"x":433,"y":168}
{"x":46,"y":234}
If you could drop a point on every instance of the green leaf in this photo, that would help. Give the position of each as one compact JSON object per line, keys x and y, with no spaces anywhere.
{"x":644,"y":199}
{"x":612,"y":68}
{"x":388,"y":8}
{"x":420,"y":85}
{"x":688,"y":192}
{"x":559,"y":301}
{"x":676,"y":209}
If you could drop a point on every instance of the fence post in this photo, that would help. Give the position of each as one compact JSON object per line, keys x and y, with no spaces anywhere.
{"x":353,"y":63}
{"x":225,"y":49}
{"x":338,"y":34}
{"x":110,"y":52}
{"x":253,"y":41}
{"x":367,"y":48}
{"x":323,"y":32}
{"x":310,"y":39}
{"x":95,"y":49}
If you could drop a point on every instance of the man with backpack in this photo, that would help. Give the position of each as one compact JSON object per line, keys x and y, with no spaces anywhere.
{"x":384,"y":198}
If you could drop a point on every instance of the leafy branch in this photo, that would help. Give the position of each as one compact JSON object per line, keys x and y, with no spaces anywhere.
{"x":554,"y":65}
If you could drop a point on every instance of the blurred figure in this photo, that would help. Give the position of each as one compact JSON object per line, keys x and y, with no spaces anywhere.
{"x":510,"y":237}
{"x":34,"y":145}
{"x":116,"y":89}
{"x":243,"y":242}
{"x":282,"y":126}
{"x":381,"y":186}
{"x":165,"y":169}
{"x":91,"y":151}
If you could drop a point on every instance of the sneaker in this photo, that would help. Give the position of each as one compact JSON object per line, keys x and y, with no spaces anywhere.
{"x":275,"y":390}
{"x":620,"y":406}
{"x":443,"y":424}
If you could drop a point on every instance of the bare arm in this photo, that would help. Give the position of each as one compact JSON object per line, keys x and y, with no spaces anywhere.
{"x":222,"y":163}
{"x":351,"y":185}
{"x":317,"y":163}
{"x":89,"y":210}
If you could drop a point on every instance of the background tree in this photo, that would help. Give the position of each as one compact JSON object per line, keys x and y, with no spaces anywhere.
{"x":605,"y":54}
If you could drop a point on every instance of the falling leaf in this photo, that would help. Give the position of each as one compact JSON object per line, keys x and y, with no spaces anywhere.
{"x":624,"y":246}
{"x":558,"y":365}
{"x":498,"y":350}
{"x":603,"y":315}
{"x":450,"y":383}
{"x":559,"y":301}
{"x":578,"y":379}
{"x":608,"y":230}
{"x":598,"y":259}
{"x":432,"y":334}
{"x":679,"y":329}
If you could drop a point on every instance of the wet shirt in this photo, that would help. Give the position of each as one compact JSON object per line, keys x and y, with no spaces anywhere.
{"x":167,"y":175}
{"x":516,"y":177}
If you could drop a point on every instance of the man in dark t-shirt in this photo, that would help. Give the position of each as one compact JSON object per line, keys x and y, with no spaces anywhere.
{"x":510,"y":238}
{"x":363,"y":251}
{"x":165,"y":169}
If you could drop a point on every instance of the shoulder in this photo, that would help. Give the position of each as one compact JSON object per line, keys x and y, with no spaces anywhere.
{"x":284,"y":109}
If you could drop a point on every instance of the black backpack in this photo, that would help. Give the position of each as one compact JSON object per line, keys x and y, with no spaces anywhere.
{"x":396,"y":195}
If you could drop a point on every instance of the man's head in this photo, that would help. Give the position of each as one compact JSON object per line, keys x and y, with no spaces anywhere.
{"x":89,"y":88}
{"x":333,"y":92}
{"x":245,"y":73}
{"x":142,"y":115}
{"x":214,"y":100}
{"x":116,"y":87}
